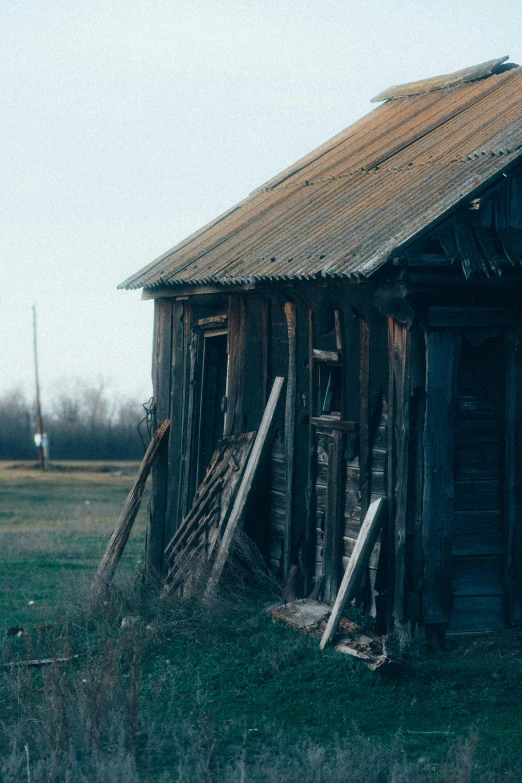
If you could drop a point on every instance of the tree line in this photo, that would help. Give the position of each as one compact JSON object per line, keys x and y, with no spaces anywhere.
{"x":82,"y":422}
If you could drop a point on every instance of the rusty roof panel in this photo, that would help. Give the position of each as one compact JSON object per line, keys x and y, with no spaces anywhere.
{"x":343,"y":209}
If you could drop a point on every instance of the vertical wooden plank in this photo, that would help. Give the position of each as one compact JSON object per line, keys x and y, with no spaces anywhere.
{"x":302,"y":456}
{"x":174,"y":513}
{"x":442,"y":361}
{"x":513,"y":473}
{"x":162,"y":352}
{"x":334,"y":519}
{"x":364,"y":416}
{"x":310,"y":533}
{"x":400,"y":371}
{"x":415,"y":511}
{"x":237,"y":315}
{"x":265,"y":349}
{"x":291,"y":388}
{"x":191,"y":412}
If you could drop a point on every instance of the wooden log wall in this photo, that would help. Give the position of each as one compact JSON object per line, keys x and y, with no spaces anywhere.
{"x":513,"y":482}
{"x":273,"y":333}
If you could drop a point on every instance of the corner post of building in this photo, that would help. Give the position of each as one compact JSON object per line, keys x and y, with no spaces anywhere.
{"x":161,"y":360}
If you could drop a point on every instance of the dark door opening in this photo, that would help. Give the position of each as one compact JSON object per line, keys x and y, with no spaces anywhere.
{"x":478,"y":528}
{"x":212,"y":404}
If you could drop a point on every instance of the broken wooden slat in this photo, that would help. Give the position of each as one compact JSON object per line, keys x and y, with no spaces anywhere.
{"x":470,"y":255}
{"x":327,"y":356}
{"x":358,"y":562}
{"x":122,"y":530}
{"x":332,"y":422}
{"x":212,"y":502}
{"x":37,"y":662}
{"x":246,"y":485}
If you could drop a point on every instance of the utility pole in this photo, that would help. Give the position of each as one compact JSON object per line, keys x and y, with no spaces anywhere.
{"x":39,"y":435}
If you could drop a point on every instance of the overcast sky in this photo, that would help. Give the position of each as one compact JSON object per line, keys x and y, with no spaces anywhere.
{"x":125,"y":125}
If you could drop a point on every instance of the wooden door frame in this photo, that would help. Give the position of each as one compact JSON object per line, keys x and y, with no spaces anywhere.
{"x":205,"y":327}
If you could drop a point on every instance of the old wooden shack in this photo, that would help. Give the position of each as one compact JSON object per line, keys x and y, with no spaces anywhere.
{"x":381,"y":275}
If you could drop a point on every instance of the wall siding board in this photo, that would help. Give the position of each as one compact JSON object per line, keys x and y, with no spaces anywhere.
{"x":290,"y":426}
{"x":442,"y":358}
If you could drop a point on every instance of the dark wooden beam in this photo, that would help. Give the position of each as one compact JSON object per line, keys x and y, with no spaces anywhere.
{"x":399,"y":423}
{"x":364,"y":417}
{"x":291,"y":391}
{"x":442,"y":361}
{"x":237,"y":315}
{"x":161,"y":361}
{"x":334,"y":519}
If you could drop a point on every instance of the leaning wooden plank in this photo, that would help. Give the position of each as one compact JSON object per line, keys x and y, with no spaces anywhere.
{"x":245,"y":486}
{"x":122,"y":530}
{"x":358,"y":562}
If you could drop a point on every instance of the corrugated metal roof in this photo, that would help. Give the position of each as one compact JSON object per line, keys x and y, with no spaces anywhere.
{"x":342,"y":210}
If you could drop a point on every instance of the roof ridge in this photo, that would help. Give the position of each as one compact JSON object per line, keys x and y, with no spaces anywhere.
{"x":464,"y":76}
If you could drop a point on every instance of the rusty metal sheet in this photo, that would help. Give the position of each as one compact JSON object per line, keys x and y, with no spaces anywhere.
{"x":345,"y":208}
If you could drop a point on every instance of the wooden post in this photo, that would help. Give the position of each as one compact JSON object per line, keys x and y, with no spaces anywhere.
{"x":400,"y":371}
{"x":39,"y":422}
{"x":246,"y":485}
{"x":291,"y":388}
{"x":309,"y":547}
{"x":162,"y":354}
{"x":356,"y":565}
{"x":364,"y":426}
{"x":123,"y":528}
{"x":442,"y":361}
{"x":334,"y":519}
{"x":237,"y":315}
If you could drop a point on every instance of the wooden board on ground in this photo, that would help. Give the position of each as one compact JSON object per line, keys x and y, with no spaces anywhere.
{"x":196,"y":537}
{"x":304,"y":614}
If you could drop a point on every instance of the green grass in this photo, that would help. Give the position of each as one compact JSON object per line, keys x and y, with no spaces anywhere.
{"x":220,"y":680}
{"x":54,"y":526}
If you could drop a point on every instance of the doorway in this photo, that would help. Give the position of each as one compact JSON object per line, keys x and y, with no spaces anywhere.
{"x":212,"y":397}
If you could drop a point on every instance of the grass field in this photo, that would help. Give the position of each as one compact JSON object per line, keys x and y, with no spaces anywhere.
{"x":194,"y":693}
{"x":54,"y":527}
